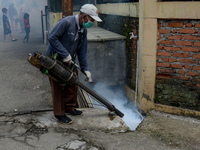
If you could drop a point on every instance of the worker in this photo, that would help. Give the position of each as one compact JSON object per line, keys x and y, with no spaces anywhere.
{"x":68,"y":39}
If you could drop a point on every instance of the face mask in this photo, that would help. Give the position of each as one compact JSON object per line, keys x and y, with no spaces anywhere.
{"x":88,"y":24}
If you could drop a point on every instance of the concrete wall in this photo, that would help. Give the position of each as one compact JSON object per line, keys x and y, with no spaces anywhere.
{"x":106,"y":56}
{"x":121,"y":9}
{"x":107,"y":61}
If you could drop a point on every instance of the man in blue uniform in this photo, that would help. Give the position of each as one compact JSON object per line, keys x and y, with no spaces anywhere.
{"x":69,"y":39}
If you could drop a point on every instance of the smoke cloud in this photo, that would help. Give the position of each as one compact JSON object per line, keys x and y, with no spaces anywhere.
{"x":33,"y":7}
{"x":116,"y":96}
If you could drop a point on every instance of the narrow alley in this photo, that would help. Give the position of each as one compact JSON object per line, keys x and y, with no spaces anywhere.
{"x":27,"y":122}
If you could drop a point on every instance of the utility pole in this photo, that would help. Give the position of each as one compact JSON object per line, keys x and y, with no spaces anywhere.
{"x":67,"y":8}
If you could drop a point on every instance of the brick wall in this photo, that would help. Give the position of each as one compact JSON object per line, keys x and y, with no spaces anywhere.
{"x":125,"y":26}
{"x":178,"y":53}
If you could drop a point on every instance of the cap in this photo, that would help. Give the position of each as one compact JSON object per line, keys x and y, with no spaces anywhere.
{"x":90,"y":10}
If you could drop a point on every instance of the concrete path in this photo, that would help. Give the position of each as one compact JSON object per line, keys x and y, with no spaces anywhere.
{"x":22,"y":86}
{"x":95,"y":131}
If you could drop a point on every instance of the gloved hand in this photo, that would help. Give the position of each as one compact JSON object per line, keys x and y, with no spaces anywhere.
{"x":68,"y":59}
{"x":88,"y":75}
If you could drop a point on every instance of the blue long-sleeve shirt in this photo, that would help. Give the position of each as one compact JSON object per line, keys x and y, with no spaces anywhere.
{"x":68,"y":38}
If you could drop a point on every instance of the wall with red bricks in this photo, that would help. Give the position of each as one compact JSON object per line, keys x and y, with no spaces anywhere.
{"x":178,"y":52}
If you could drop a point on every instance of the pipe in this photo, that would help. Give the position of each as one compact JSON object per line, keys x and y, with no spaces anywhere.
{"x":67,"y":8}
{"x":46,"y":12}
{"x":136,"y":82}
{"x":42,"y":25}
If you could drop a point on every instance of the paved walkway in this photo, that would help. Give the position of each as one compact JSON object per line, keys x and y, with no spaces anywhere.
{"x":22,"y":86}
{"x":95,"y":131}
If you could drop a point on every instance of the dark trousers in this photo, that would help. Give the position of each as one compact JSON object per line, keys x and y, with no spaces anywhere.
{"x":27,"y":34}
{"x":64,"y":97}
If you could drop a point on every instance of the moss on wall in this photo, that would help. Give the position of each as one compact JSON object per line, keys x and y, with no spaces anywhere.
{"x":175,"y":93}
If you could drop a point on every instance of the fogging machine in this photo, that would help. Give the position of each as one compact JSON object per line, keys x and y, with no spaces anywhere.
{"x":59,"y":72}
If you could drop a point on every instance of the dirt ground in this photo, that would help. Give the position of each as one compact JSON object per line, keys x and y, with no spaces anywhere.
{"x":176,"y":131}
